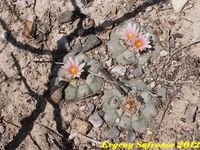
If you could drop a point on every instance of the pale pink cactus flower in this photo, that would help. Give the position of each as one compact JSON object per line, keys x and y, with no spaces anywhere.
{"x":129,"y":33}
{"x":141,"y":42}
{"x":73,"y":68}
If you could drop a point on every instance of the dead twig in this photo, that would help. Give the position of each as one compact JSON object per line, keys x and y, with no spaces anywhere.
{"x":179,"y":49}
{"x":49,"y":129}
{"x":113,"y":80}
{"x":89,"y":139}
{"x":63,"y":102}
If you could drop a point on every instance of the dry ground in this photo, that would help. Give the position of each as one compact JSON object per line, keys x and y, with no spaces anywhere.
{"x":28,"y":121}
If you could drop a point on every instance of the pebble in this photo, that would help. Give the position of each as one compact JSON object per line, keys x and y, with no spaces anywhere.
{"x":119,"y":70}
{"x":2,"y":129}
{"x":131,"y":136}
{"x":152,"y":85}
{"x":4,"y":34}
{"x":163,"y":53}
{"x":178,"y":5}
{"x":149,"y":9}
{"x":86,"y":110}
{"x":63,"y":43}
{"x":56,"y":92}
{"x":109,"y":62}
{"x":65,"y":17}
{"x":91,"y":42}
{"x":95,"y":120}
{"x":113,"y":133}
{"x":41,"y":7}
{"x":83,"y":127}
{"x":90,"y":107}
{"x":137,"y":72}
{"x":68,"y":117}
{"x":77,"y":48}
{"x":191,"y":113}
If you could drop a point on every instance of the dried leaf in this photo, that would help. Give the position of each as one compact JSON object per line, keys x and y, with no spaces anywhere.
{"x":29,"y":29}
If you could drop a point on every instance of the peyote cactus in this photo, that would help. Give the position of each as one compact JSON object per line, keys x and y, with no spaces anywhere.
{"x":86,"y":82}
{"x":129,"y":112}
{"x":131,"y":44}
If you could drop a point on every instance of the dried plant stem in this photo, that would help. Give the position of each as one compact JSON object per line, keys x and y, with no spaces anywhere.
{"x":179,"y":49}
{"x":114,"y":81}
{"x":89,"y":139}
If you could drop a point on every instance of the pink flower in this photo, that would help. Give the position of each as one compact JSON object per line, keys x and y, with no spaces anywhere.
{"x":141,"y":42}
{"x":73,"y":68}
{"x":129,"y":33}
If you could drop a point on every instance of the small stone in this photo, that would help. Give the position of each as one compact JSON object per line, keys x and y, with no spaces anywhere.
{"x":87,"y":109}
{"x":3,"y":100}
{"x":73,"y":134}
{"x":131,"y":136}
{"x":41,"y":7}
{"x":95,"y":120}
{"x":4,"y":34}
{"x":152,"y":85}
{"x":109,"y":62}
{"x":163,"y":53}
{"x":191,"y":113}
{"x":178,"y":35}
{"x":56,"y":92}
{"x":149,"y":9}
{"x":77,"y":48}
{"x":83,"y":127}
{"x":138,"y":72}
{"x":23,"y":3}
{"x":68,"y":117}
{"x":2,"y":129}
{"x":178,"y":5}
{"x":119,"y":70}
{"x":65,"y":17}
{"x":91,"y":42}
{"x":90,"y":107}
{"x":63,"y":44}
{"x":113,"y":133}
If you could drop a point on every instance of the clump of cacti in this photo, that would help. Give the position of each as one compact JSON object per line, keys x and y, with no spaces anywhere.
{"x":133,"y":112}
{"x":81,"y":73}
{"x":132,"y":44}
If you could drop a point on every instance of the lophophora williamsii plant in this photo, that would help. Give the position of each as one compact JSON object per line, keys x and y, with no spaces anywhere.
{"x":132,"y":44}
{"x":81,"y":73}
{"x":132,"y":112}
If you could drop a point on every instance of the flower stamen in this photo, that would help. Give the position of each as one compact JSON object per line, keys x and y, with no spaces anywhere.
{"x":138,"y":43}
{"x":130,"y":36}
{"x":73,"y":70}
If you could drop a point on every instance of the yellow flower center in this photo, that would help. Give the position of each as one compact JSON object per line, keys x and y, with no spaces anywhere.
{"x":73,"y":70}
{"x":138,"y":43}
{"x":130,"y":36}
